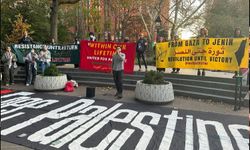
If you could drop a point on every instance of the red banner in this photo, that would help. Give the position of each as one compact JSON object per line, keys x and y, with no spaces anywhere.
{"x":97,"y":56}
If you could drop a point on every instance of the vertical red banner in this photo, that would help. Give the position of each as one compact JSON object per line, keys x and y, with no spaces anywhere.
{"x":97,"y":56}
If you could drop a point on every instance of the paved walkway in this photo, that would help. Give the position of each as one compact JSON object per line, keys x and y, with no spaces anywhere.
{"x":209,"y":73}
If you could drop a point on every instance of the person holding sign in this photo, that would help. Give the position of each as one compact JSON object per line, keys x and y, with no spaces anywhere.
{"x":30,"y":60}
{"x":9,"y":64}
{"x":203,"y":34}
{"x":117,"y":70}
{"x":141,"y":47}
{"x":26,"y":39}
{"x":176,"y":70}
{"x":45,"y":58}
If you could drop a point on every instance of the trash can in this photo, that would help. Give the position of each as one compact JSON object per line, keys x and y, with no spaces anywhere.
{"x":90,"y":92}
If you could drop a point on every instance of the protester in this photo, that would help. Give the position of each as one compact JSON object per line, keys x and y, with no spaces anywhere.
{"x":117,"y":70}
{"x":141,"y":46}
{"x":45,"y":58}
{"x":30,"y":60}
{"x":92,"y":36}
{"x":237,"y":34}
{"x":203,"y":34}
{"x":53,"y":41}
{"x":9,"y":64}
{"x":126,"y":39}
{"x":106,"y":36}
{"x":112,"y":38}
{"x":26,"y":39}
{"x":175,"y":70}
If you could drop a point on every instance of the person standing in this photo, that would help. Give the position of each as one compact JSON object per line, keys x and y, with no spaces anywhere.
{"x":117,"y":70}
{"x":9,"y":64}
{"x":92,"y":36}
{"x":141,"y":46}
{"x":26,"y":39}
{"x":31,"y":59}
{"x":126,"y":39}
{"x":45,"y":58}
{"x":203,"y":34}
{"x":176,"y":70}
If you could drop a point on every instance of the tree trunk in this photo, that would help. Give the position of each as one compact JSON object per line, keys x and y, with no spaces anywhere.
{"x":54,"y":20}
{"x":173,"y":30}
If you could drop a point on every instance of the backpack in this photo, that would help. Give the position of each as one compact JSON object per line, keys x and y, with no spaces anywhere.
{"x":69,"y":87}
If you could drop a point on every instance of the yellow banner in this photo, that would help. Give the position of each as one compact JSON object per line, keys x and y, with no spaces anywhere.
{"x":204,"y":53}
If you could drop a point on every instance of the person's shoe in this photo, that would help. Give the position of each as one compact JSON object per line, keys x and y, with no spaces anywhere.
{"x":116,"y":94}
{"x":146,"y":69}
{"x":119,"y":96}
{"x":139,"y":69}
{"x":173,"y":72}
{"x":6,"y":84}
{"x":27,"y":84}
{"x":203,"y":73}
{"x":177,"y":72}
{"x":198,"y":73}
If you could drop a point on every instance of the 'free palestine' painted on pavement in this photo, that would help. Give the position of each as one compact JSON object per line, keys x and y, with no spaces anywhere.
{"x":44,"y":121}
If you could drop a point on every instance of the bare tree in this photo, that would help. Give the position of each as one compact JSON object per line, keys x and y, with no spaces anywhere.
{"x":54,"y":15}
{"x":185,"y":13}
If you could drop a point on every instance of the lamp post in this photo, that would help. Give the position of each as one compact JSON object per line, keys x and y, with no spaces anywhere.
{"x":157,"y":26}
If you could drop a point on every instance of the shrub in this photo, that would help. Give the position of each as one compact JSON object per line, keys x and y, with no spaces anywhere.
{"x":52,"y":71}
{"x":153,"y":77}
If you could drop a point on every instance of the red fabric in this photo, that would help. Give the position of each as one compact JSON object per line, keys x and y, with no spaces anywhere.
{"x":5,"y":91}
{"x":97,"y":56}
{"x":69,"y":87}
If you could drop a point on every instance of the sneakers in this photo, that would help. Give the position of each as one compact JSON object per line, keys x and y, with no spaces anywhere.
{"x":27,"y":84}
{"x":203,"y":73}
{"x":118,"y":96}
{"x":139,"y":69}
{"x":198,"y":73}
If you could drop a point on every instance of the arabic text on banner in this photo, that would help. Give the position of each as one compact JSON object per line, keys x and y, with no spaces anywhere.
{"x":206,"y":53}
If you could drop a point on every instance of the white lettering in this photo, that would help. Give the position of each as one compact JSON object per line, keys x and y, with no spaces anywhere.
{"x":170,"y":129}
{"x":40,"y":136}
{"x":84,"y":127}
{"x":147,"y":130}
{"x":243,"y":143}
{"x":54,"y":114}
{"x":76,"y":144}
{"x":189,"y":133}
{"x":203,"y":137}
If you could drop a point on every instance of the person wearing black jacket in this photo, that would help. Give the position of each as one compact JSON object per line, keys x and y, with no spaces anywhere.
{"x":26,"y":39}
{"x":141,"y":47}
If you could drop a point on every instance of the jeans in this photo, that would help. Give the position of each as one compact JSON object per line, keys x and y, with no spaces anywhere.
{"x":44,"y":65}
{"x":8,"y":74}
{"x":31,"y":76}
{"x":118,"y":76}
{"x":139,"y":56}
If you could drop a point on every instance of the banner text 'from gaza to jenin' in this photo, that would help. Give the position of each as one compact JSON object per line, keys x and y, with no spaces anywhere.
{"x":204,"y":53}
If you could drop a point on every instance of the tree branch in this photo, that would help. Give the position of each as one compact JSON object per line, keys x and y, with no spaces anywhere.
{"x":191,"y":14}
{"x":67,"y":1}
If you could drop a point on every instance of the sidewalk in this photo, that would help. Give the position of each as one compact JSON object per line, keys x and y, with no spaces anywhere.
{"x":209,"y":73}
